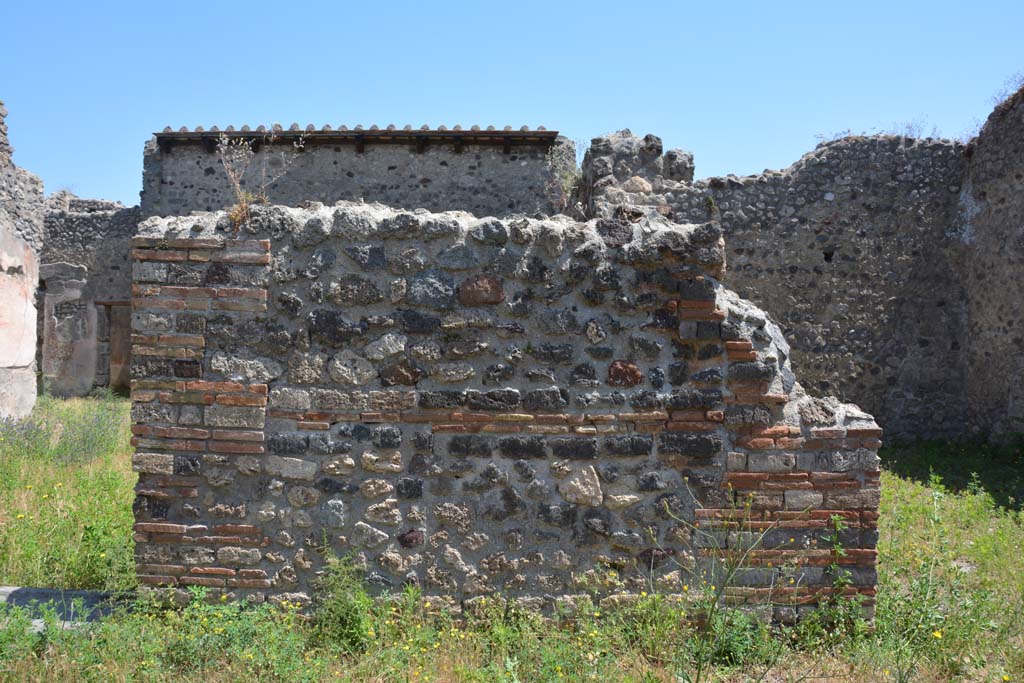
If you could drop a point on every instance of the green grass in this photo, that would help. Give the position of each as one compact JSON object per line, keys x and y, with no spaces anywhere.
{"x":66,"y":491}
{"x":950,"y":606}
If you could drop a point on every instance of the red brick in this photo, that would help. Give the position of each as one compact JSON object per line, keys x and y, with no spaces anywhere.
{"x":756,"y":443}
{"x":828,"y":433}
{"x":252,"y":573}
{"x":211,"y":571}
{"x":830,"y":476}
{"x":204,"y":385}
{"x":770,"y":432}
{"x":240,"y":293}
{"x":836,"y":485}
{"x":471,"y":417}
{"x":243,"y":258}
{"x":226,"y":540}
{"x":696,"y":304}
{"x":236,"y":447}
{"x":251,"y":400}
{"x":248,"y":245}
{"x":236,"y":435}
{"x":687,"y":415}
{"x":187,"y":292}
{"x":544,"y":429}
{"x":171,"y":304}
{"x":160,"y":527}
{"x":192,"y":397}
{"x":864,"y":432}
{"x":160,"y":569}
{"x":178,"y":242}
{"x":242,"y":529}
{"x":169,"y":538}
{"x":746,"y":480}
{"x":452,"y":429}
{"x":159,"y":255}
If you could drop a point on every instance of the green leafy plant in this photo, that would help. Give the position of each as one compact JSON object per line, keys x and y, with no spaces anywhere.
{"x":343,"y":615}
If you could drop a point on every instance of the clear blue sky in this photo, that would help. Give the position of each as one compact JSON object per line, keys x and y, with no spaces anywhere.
{"x":745,"y":86}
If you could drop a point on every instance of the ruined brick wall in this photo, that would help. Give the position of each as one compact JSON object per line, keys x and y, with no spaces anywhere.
{"x":485,"y":172}
{"x":21,"y":203}
{"x":991,"y":226}
{"x":85,"y":291}
{"x":852,"y":249}
{"x":527,"y":407}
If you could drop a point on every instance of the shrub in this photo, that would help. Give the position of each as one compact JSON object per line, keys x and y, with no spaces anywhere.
{"x":343,"y":615}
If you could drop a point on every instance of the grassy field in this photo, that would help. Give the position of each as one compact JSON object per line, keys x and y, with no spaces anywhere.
{"x":66,"y":496}
{"x":951,"y":595}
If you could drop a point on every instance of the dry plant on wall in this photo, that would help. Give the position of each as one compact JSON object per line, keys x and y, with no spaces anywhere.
{"x":237,"y":155}
{"x":565,"y":176}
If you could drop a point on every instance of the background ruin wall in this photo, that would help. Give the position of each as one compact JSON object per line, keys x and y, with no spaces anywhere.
{"x":892,"y":264}
{"x":85,"y":293}
{"x":21,"y":214}
{"x":991,"y":224}
{"x":877,"y":255}
{"x":494,"y":173}
{"x":535,"y":407}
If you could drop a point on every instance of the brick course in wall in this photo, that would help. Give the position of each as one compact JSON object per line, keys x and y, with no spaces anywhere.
{"x":520,"y":407}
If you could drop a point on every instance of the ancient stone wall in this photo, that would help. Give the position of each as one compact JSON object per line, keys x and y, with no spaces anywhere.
{"x":991,"y":226}
{"x":484,"y":172}
{"x":536,"y":408}
{"x":85,"y":293}
{"x":21,"y":202}
{"x":852,"y":249}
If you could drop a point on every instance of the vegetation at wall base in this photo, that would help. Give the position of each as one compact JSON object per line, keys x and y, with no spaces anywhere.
{"x":950,"y":603}
{"x":66,"y":492}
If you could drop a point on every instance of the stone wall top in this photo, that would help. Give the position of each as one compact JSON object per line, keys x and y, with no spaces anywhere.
{"x":21,"y":193}
{"x":485,"y":171}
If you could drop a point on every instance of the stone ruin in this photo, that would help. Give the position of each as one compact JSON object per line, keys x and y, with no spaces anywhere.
{"x":84,"y":301}
{"x":529,"y":407}
{"x":21,"y":213}
{"x":891,"y":265}
{"x":875,"y":254}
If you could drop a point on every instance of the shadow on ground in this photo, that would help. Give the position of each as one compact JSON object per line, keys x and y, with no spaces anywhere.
{"x":996,"y":468}
{"x":69,"y":606}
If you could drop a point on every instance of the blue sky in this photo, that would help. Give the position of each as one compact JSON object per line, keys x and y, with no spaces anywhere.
{"x":745,"y":86}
